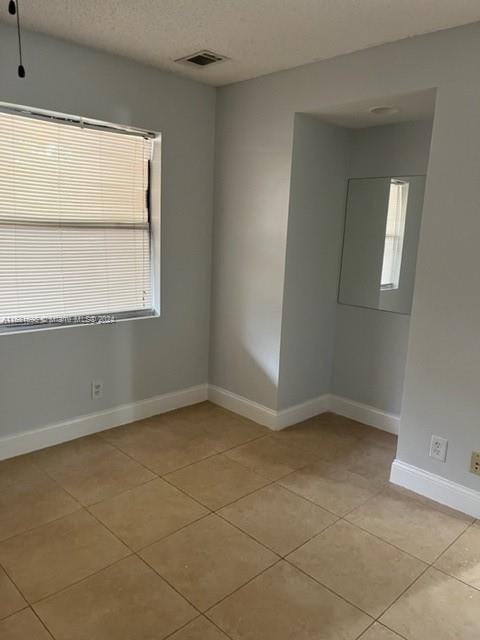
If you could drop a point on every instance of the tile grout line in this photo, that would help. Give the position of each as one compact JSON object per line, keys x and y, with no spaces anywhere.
{"x":14,"y":613}
{"x":188,"y":495}
{"x":136,"y":553}
{"x":211,"y":455}
{"x":330,"y":590}
{"x":280,"y":559}
{"x":116,"y":447}
{"x":427,"y":568}
{"x":210,"y":512}
{"x":86,"y":507}
{"x":448,"y":575}
{"x":132,"y":552}
{"x":362,"y":634}
{"x":200,"y":617}
{"x":325,"y":508}
{"x":150,"y":544}
{"x":44,"y":625}
{"x":387,"y":542}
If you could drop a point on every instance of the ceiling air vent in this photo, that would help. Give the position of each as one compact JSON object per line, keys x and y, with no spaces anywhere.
{"x":201,"y":58}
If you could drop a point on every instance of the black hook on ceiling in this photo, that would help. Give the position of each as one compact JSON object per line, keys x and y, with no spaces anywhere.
{"x":14,"y":9}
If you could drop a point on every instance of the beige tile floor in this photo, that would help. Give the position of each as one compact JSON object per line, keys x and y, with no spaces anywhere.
{"x":202,"y":525}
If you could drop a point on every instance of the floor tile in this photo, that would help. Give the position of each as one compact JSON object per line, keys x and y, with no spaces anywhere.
{"x":285,"y":604}
{"x":124,"y":602}
{"x":276,"y":493}
{"x":270,"y":458}
{"x":199,"y":629}
{"x":278,"y":518}
{"x":438,"y":607}
{"x":380,"y":438}
{"x":29,"y":498}
{"x":359,"y":567}
{"x":58,"y":554}
{"x":341,"y":424}
{"x":164,"y":444}
{"x":208,"y":560}
{"x":378,"y":632}
{"x":358,"y":430}
{"x":414,"y":525}
{"x":331,"y":487}
{"x":462,"y":559}
{"x":90,"y":469}
{"x":19,"y":471}
{"x":147,"y":513}
{"x":216,"y":481}
{"x":200,"y":410}
{"x":370,"y":461}
{"x":23,"y":626}
{"x":10,"y":598}
{"x":321,"y":437}
{"x":230,"y":430}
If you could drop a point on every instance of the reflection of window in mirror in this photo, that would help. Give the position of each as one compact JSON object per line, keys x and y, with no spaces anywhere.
{"x":394,"y":233}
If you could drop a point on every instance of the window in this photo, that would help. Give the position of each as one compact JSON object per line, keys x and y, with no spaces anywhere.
{"x":75,"y":230}
{"x":394,"y":234}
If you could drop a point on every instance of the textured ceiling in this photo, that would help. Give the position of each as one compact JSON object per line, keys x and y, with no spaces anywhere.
{"x":259,"y":36}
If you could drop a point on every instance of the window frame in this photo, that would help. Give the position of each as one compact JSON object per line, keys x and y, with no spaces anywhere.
{"x":153,"y":216}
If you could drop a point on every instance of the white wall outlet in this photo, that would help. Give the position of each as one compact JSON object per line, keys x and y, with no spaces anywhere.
{"x":475,"y":464}
{"x":97,"y":389}
{"x":438,"y":448}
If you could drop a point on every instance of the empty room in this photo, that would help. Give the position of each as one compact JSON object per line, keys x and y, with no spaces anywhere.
{"x":239,"y":320}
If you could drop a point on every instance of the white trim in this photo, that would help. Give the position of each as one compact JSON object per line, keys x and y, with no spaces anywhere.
{"x":14,"y":445}
{"x":270,"y":418}
{"x":280,"y":419}
{"x":365,"y":413}
{"x":47,"y":436}
{"x":436,"y":488}
{"x":244,"y":407}
{"x":303,"y":411}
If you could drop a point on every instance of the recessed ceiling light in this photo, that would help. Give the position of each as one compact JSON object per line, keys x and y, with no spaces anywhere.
{"x":383,"y":110}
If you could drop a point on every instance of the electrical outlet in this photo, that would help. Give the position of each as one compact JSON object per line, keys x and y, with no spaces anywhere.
{"x":97,"y":389}
{"x":475,"y":464}
{"x":438,"y":448}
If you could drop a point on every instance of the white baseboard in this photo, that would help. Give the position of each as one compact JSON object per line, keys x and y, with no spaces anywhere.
{"x":270,"y":418}
{"x":244,"y":407}
{"x":302,"y":411}
{"x":284,"y":418}
{"x":14,"y":445}
{"x":436,"y":488}
{"x":47,"y":436}
{"x":365,"y":413}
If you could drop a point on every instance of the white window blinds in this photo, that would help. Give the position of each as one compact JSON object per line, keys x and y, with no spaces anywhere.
{"x":74,"y":221}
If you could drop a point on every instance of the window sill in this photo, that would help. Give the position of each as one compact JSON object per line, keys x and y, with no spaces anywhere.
{"x":87,"y":321}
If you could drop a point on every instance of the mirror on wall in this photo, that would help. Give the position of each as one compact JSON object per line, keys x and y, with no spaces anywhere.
{"x":382,"y":224}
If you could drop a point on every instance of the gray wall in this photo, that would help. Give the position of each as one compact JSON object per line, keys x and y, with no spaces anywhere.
{"x":389,"y":150}
{"x":45,"y":376}
{"x":314,"y":241}
{"x":252,"y":186}
{"x":371,"y":345}
{"x":254,"y":149}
